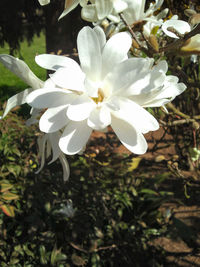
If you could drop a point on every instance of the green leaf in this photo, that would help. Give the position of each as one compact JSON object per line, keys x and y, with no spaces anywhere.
{"x":43,"y":258}
{"x":9,"y":196}
{"x":148,"y":191}
{"x":5,"y":187}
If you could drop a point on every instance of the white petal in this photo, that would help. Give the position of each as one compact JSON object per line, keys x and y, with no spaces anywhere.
{"x":101,"y":36}
{"x":119,"y":6}
{"x":99,"y":118}
{"x":65,"y":166}
{"x":137,"y":116}
{"x":42,"y":140}
{"x":54,"y":62}
{"x":104,"y":8}
{"x":89,"y":13}
{"x":89,"y":51}
{"x":80,"y":108}
{"x":74,"y":137}
{"x":69,"y":6}
{"x":91,"y":87}
{"x":49,"y":98}
{"x":162,"y":66}
{"x":70,"y":77}
{"x":135,"y":11}
{"x":34,"y":115}
{"x":53,"y":139}
{"x":17,"y":100}
{"x":53,"y":119}
{"x":127,"y":134}
{"x":21,"y":69}
{"x":144,"y":83}
{"x":160,"y":96}
{"x":115,"y":51}
{"x":44,"y":2}
{"x":126,"y":73}
{"x":180,"y":26}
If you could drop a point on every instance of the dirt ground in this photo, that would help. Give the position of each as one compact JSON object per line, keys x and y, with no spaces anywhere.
{"x":183,"y":247}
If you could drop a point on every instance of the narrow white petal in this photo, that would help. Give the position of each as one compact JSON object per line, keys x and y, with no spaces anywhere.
{"x":42,"y":140}
{"x":80,"y":108}
{"x":65,"y":166}
{"x":104,"y":8}
{"x":99,"y":118}
{"x":135,"y":11}
{"x":115,"y":51}
{"x":54,"y":62}
{"x":89,"y":13}
{"x":53,"y":119}
{"x":127,"y":134}
{"x":74,"y":137}
{"x":46,"y":98}
{"x":16,"y":100}
{"x":70,"y":77}
{"x":21,"y":69}
{"x":89,"y":51}
{"x":53,"y":139}
{"x":69,"y":6}
{"x":101,"y":36}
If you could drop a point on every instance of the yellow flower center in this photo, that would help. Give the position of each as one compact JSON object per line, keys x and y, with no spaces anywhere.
{"x":100,"y":96}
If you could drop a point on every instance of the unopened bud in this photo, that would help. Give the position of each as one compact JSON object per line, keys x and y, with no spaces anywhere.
{"x":135,"y":44}
{"x":195,"y":125}
{"x":154,"y":42}
{"x":194,"y":19}
{"x":191,"y":46}
{"x":189,"y":12}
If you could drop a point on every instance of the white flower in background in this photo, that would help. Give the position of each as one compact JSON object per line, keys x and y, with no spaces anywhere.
{"x":96,"y":10}
{"x":192,"y":45}
{"x":107,"y":89}
{"x":135,"y":13}
{"x":44,"y":2}
{"x":180,"y":26}
{"x":20,"y":68}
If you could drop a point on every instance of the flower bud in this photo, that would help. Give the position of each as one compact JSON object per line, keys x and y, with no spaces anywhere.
{"x":194,"y":19}
{"x":189,"y":12}
{"x":154,"y":42}
{"x":191,"y":46}
{"x":195,"y":125}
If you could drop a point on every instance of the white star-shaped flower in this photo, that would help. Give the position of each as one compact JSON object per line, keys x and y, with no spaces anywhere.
{"x":106,"y":89}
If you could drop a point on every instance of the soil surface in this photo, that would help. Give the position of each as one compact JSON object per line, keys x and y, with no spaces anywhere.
{"x":182,"y":246}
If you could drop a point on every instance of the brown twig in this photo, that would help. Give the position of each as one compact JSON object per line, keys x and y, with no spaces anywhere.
{"x":134,"y":36}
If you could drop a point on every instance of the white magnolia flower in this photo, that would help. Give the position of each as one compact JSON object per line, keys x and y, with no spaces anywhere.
{"x":106,"y":89}
{"x":180,"y":26}
{"x":135,"y":13}
{"x":96,"y":10}
{"x":192,"y":45}
{"x":44,"y":2}
{"x":20,"y":68}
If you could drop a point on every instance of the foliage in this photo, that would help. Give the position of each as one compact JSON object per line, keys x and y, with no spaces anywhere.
{"x":116,"y":214}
